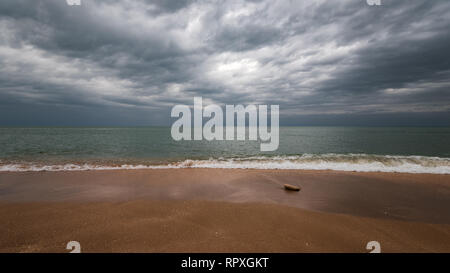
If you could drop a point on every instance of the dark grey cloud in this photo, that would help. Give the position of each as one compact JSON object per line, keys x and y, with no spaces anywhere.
{"x":129,"y":62}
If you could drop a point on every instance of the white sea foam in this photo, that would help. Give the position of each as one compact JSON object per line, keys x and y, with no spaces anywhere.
{"x":338,"y":162}
{"x":74,"y":167}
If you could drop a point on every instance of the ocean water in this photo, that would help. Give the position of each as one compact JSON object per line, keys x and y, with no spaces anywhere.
{"x":412,"y":150}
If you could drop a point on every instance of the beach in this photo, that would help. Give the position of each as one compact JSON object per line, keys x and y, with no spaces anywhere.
{"x":229,"y":127}
{"x":223,"y":210}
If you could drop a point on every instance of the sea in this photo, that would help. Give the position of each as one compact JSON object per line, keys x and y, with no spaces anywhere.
{"x":360,"y":149}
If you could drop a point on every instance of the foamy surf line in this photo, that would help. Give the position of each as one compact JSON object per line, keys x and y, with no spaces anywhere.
{"x":336,"y":162}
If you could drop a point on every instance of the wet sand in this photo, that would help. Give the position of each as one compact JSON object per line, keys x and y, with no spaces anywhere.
{"x":218,"y":210}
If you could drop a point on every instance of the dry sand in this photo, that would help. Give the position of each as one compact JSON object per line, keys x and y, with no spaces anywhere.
{"x":217,"y":210}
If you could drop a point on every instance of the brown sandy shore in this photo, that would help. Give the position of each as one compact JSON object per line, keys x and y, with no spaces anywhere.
{"x":218,"y":210}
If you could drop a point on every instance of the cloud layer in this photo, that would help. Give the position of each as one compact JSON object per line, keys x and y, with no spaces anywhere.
{"x":110,"y":62}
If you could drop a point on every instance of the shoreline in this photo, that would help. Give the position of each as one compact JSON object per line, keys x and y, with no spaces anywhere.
{"x":307,"y":162}
{"x":237,"y":210}
{"x":403,"y":196}
{"x":119,"y":169}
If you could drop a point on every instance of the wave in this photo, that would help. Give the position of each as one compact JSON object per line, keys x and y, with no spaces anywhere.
{"x":337,"y":162}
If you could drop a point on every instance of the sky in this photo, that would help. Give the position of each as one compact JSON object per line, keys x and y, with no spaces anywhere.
{"x":127,"y":63}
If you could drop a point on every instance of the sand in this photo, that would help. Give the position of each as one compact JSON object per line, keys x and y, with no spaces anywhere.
{"x":217,"y":210}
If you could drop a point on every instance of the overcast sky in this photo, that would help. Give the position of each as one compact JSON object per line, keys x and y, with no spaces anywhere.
{"x":110,"y":62}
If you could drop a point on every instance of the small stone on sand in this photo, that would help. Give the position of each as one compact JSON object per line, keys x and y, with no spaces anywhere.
{"x":291,"y":187}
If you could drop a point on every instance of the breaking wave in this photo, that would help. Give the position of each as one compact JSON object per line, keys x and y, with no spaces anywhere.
{"x":337,"y":162}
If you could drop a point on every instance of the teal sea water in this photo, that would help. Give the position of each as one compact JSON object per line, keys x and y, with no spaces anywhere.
{"x":415,"y":150}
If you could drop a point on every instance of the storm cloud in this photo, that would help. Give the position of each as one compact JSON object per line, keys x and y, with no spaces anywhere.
{"x":110,"y":62}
